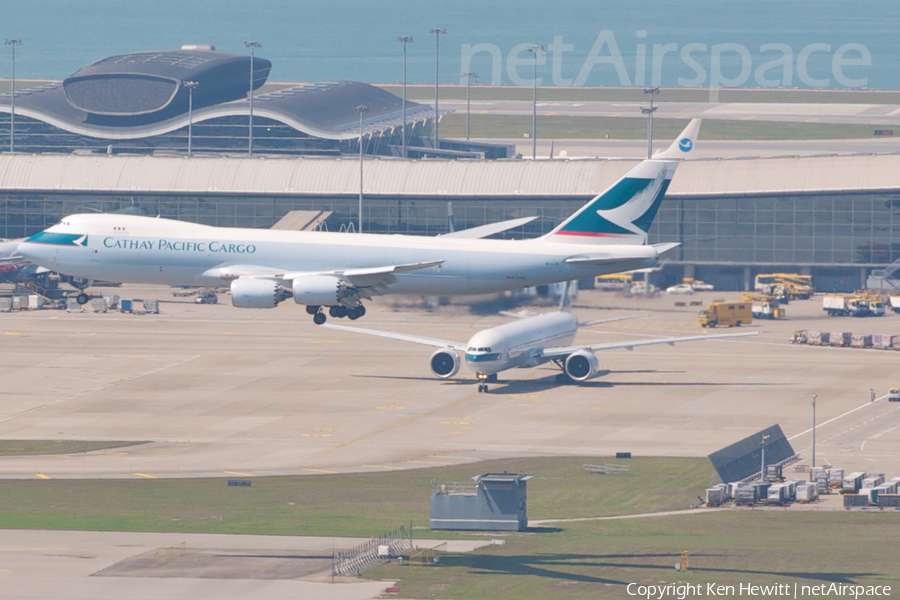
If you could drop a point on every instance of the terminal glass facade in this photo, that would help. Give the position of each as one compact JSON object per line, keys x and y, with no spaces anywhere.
{"x":861,"y":229}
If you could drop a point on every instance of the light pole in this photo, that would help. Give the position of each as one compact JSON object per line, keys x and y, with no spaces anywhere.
{"x":649,"y":113}
{"x":814,"y":430}
{"x":403,"y":39}
{"x":12,"y":115}
{"x":534,"y":50}
{"x":437,"y":59}
{"x":253,"y":46}
{"x":469,"y":76}
{"x":762,"y":468}
{"x":361,"y":109}
{"x":190,"y":85}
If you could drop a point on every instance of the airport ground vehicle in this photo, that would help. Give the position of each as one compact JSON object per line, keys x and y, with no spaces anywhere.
{"x":764,"y":306}
{"x":794,"y":285}
{"x":894,"y":395}
{"x":681,"y":288}
{"x":801,"y":336}
{"x":837,"y":305}
{"x":726,"y":314}
{"x":895,"y":303}
{"x":206,"y":299}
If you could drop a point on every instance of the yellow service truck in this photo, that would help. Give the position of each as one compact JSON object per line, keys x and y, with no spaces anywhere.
{"x":726,"y":314}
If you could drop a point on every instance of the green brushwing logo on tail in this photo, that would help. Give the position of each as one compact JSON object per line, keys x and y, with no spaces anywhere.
{"x":58,"y":239}
{"x":625,"y":210}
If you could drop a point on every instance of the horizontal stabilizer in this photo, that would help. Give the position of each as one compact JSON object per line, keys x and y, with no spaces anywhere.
{"x":482,"y":231}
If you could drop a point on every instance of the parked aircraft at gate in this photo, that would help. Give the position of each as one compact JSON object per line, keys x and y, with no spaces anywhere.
{"x":338,"y":270}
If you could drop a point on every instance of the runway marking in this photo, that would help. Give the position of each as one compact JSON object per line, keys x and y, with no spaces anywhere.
{"x":455,"y":432}
{"x":616,"y":115}
{"x":13,"y":333}
{"x":239,"y":473}
{"x":549,"y":114}
{"x":682,"y":116}
{"x":147,"y":476}
{"x":227,"y":333}
{"x":324,"y":342}
{"x":319,"y":471}
{"x":747,"y":118}
{"x":596,"y":408}
{"x":430,"y":462}
{"x":99,"y":388}
{"x":29,"y":550}
{"x":813,"y":120}
{"x":42,"y":476}
{"x":877,"y":122}
{"x":459,"y":457}
{"x":818,"y":425}
{"x":385,"y":467}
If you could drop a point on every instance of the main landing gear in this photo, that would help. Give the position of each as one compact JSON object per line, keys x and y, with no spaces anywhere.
{"x":338,"y":312}
{"x":81,"y":285}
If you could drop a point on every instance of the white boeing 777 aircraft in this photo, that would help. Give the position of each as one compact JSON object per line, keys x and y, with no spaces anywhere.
{"x":338,"y":270}
{"x":528,"y":342}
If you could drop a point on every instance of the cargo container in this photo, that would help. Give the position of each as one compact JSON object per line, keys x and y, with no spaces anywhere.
{"x":5,"y":304}
{"x":861,"y":341}
{"x":112,"y":302}
{"x":888,"y":501}
{"x":871,"y":494}
{"x":715,"y":496}
{"x":872,"y":480}
{"x":818,"y":338}
{"x":792,"y":485}
{"x":762,"y":489}
{"x":888,"y":487}
{"x":98,"y":305}
{"x":745,"y":495}
{"x":72,"y":305}
{"x":852,"y":482}
{"x":895,"y":303}
{"x":20,"y":302}
{"x":807,"y":493}
{"x":856,"y":500}
{"x":773,"y":473}
{"x":883,"y":341}
{"x":836,"y":478}
{"x":151,"y":306}
{"x":726,"y":314}
{"x":895,"y":345}
{"x":125,"y":305}
{"x":840,"y":338}
{"x":35,"y":302}
{"x":778,"y":494}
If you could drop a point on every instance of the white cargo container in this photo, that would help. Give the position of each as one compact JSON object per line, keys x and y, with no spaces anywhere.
{"x":872,"y":480}
{"x":778,"y":494}
{"x":836,"y":478}
{"x":35,"y":302}
{"x":888,"y":488}
{"x":807,"y":492}
{"x":853,"y":482}
{"x":112,"y":302}
{"x":715,"y":496}
{"x":745,"y":495}
{"x":5,"y":304}
{"x":98,"y":305}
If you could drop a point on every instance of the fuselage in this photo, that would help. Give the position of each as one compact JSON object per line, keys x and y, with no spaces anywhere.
{"x":519,"y":343}
{"x":135,"y":249}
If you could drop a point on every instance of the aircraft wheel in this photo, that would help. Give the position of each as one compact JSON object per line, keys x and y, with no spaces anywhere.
{"x":319,"y":318}
{"x":311,"y":309}
{"x":354,"y":313}
{"x":361,"y":310}
{"x":334,"y":311}
{"x":482,"y":387}
{"x":82,"y":298}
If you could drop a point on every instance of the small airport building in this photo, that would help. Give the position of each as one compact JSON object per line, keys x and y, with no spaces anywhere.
{"x":837,"y":218}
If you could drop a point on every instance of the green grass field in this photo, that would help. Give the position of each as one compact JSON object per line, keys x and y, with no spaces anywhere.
{"x":44,"y":447}
{"x":559,"y":127}
{"x":560,"y":560}
{"x":341,"y":505}
{"x":425,"y":93}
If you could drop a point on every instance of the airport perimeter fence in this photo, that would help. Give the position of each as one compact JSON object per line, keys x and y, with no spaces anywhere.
{"x":370,"y":553}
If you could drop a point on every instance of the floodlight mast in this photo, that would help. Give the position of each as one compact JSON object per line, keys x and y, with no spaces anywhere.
{"x":404,"y":40}
{"x":534,"y":50}
{"x":361,"y":109}
{"x":437,"y":59}
{"x":12,"y":115}
{"x":253,"y":46}
{"x":190,"y":85}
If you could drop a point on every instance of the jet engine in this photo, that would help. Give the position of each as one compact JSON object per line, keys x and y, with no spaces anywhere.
{"x":581,"y":365}
{"x":257,"y":293}
{"x":319,"y":290}
{"x":444,"y":363}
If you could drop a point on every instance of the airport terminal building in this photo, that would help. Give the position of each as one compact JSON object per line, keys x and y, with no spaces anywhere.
{"x":837,"y":218}
{"x":114,"y":137}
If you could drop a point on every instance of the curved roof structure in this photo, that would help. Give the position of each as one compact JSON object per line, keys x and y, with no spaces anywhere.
{"x":142,"y":83}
